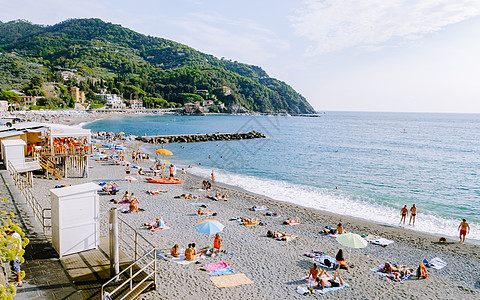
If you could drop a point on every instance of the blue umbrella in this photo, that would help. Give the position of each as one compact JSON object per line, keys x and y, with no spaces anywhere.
{"x":209,"y":226}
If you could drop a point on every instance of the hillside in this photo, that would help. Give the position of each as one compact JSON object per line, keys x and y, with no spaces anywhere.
{"x":130,"y":63}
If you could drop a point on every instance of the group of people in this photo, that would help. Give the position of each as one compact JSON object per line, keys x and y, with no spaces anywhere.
{"x":191,"y":252}
{"x":330,"y":230}
{"x":157,"y":225}
{"x":138,"y":157}
{"x":206,"y":185}
{"x":132,"y":200}
{"x":404,"y":214}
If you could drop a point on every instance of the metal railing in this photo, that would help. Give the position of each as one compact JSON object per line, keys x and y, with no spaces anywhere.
{"x":146,"y":272}
{"x":43,"y":215}
{"x":145,"y":258}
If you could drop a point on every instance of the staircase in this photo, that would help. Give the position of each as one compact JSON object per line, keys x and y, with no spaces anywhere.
{"x":49,"y":166}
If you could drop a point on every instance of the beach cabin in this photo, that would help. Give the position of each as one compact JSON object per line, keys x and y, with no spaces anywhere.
{"x":75,"y":224}
{"x":64,"y":149}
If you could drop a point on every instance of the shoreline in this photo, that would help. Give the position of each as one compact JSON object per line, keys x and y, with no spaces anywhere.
{"x":275,"y":267}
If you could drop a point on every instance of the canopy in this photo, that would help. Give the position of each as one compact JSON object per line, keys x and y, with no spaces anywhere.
{"x":163,"y":152}
{"x":57,"y":130}
{"x":352,"y":240}
{"x":209,"y":226}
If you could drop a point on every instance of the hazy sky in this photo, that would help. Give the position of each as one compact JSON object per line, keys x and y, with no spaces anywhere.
{"x":369,"y":55}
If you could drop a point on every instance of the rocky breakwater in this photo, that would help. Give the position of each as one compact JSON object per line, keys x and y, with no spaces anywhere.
{"x":190,"y":138}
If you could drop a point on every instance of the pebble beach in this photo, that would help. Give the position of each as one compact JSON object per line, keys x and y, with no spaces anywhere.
{"x":276,"y":267}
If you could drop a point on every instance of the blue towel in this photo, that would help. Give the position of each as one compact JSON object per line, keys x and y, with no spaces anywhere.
{"x":378,"y":269}
{"x":222,"y":271}
{"x":327,"y":289}
{"x":199,"y":203}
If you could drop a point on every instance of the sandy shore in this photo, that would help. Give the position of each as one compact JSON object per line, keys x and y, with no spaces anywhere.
{"x":276,"y":267}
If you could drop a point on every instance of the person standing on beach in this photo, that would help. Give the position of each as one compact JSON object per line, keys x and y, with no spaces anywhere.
{"x":403,"y":213}
{"x":463,"y":227}
{"x":213,"y":177}
{"x":413,"y":213}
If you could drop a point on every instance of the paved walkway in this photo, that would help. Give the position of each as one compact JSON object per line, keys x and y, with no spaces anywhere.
{"x":45,"y":277}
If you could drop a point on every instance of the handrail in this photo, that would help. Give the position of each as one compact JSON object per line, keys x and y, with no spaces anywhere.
{"x":38,"y":211}
{"x":49,"y":165}
{"x":133,"y":276}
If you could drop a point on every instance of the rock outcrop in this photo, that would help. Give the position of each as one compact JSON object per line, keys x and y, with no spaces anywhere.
{"x":190,"y":138}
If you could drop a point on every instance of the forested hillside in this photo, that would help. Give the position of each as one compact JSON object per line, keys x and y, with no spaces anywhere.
{"x":134,"y":65}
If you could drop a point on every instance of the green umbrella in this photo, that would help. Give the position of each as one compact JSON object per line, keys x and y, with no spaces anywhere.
{"x":352,"y":240}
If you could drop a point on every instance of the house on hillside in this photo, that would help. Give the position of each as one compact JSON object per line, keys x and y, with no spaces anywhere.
{"x":192,"y":107}
{"x":3,"y":105}
{"x":77,"y":95}
{"x":224,"y":90}
{"x":24,"y":99}
{"x":135,"y":104}
{"x":207,"y":102}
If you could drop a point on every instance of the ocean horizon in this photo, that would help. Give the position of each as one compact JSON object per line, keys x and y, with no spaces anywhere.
{"x":360,"y":164}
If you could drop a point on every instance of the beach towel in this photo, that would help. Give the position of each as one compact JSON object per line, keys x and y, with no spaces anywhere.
{"x":437,"y":263}
{"x":377,"y":240}
{"x":214,"y":266}
{"x":230,"y":280}
{"x":222,"y":271}
{"x":181,"y":260}
{"x":124,"y":202}
{"x":378,"y":269}
{"x":258,"y":208}
{"x":271,"y":214}
{"x":314,"y":254}
{"x":321,"y":261}
{"x":199,"y":204}
{"x":327,"y":289}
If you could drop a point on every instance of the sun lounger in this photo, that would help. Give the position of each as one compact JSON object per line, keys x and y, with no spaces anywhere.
{"x":378,"y":270}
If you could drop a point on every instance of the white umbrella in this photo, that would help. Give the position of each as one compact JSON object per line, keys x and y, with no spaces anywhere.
{"x":352,"y":240}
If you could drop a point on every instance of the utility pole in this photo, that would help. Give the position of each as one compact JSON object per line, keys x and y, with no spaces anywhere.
{"x":114,"y":252}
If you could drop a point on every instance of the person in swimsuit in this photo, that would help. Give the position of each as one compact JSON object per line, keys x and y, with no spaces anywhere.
{"x":463,"y":227}
{"x":325,"y":280}
{"x":404,"y":213}
{"x":314,"y":271}
{"x":413,"y":213}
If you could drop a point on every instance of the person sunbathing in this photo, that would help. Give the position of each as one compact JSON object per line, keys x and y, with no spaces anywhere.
{"x":258,"y":207}
{"x":388,"y":268}
{"x":133,"y":203}
{"x":328,"y":230}
{"x":225,"y":196}
{"x":126,"y":197}
{"x":314,"y":271}
{"x":341,"y":259}
{"x":202,"y":212}
{"x":174,"y":251}
{"x":251,"y":221}
{"x":325,"y":280}
{"x":140,"y":172}
{"x":294,"y":220}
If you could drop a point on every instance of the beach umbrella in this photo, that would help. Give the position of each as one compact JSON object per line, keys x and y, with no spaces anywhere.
{"x":166,"y":162}
{"x":99,"y":155}
{"x":130,"y":178}
{"x":163,"y":152}
{"x":352,"y":240}
{"x":209,"y":227}
{"x":121,"y":133}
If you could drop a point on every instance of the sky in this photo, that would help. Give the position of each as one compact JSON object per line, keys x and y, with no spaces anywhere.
{"x":341,"y":55}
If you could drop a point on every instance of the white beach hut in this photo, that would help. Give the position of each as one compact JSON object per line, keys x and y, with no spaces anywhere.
{"x":14,"y":151}
{"x":75,"y":225}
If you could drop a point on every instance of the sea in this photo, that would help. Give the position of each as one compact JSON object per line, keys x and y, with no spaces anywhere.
{"x":366,"y":165}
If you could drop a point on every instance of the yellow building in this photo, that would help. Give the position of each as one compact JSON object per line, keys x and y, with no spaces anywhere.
{"x":78,"y":96}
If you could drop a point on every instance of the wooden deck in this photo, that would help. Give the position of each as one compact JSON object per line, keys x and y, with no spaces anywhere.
{"x":90,"y":269}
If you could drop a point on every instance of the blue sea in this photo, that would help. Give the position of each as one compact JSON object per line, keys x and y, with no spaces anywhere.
{"x":365,"y":165}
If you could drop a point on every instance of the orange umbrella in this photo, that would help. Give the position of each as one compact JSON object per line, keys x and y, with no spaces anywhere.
{"x":163,"y":152}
